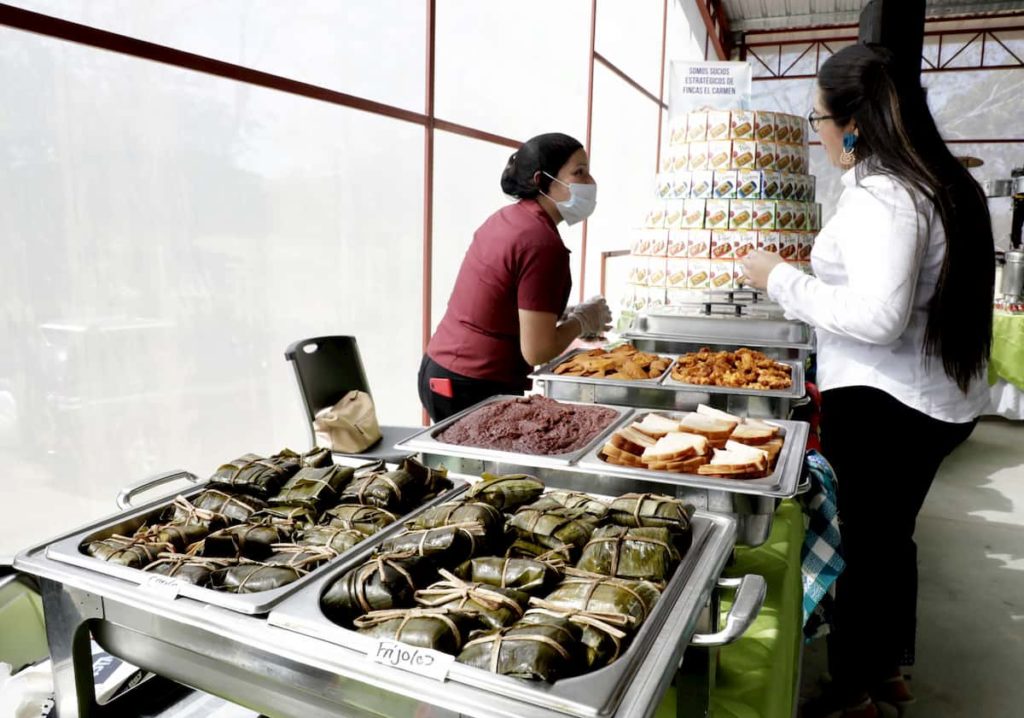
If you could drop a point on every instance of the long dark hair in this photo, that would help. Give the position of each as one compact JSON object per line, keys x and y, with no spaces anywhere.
{"x":543,"y":153}
{"x":898,"y":135}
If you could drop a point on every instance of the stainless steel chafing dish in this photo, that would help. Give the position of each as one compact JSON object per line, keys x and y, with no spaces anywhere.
{"x":751,"y":503}
{"x":312,"y":668}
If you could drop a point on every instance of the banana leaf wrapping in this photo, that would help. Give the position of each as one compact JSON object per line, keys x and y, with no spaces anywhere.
{"x":506,"y":493}
{"x":297,"y":517}
{"x":494,"y":607}
{"x":446,"y":545}
{"x":603,"y":637}
{"x":573,"y":500}
{"x":536,"y":651}
{"x":179,"y":535}
{"x":397,"y":491}
{"x":440,"y":629}
{"x":191,"y":569}
{"x":655,"y":510}
{"x":254,"y":577}
{"x":646,"y":554}
{"x":523,"y":574}
{"x":126,"y":551}
{"x":521,"y":548}
{"x":602,"y":595}
{"x":366,"y":519}
{"x":236,"y":508}
{"x":337,"y":540}
{"x":304,"y":557}
{"x":459,"y":512}
{"x":553,"y":528}
{"x":183,"y":511}
{"x":433,"y":481}
{"x":314,"y":488}
{"x":252,"y":541}
{"x":316,"y":458}
{"x":381,"y":583}
{"x":256,"y":475}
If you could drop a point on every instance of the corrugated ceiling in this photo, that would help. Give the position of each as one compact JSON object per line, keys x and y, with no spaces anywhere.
{"x":792,"y":14}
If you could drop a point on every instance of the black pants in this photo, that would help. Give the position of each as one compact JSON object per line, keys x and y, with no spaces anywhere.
{"x":466,"y":391}
{"x":885,"y":455}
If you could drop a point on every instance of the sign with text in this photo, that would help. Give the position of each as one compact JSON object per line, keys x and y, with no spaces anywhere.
{"x":162,"y":586}
{"x":422,"y":661}
{"x":709,"y":86}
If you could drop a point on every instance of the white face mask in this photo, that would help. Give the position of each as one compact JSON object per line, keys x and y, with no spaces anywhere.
{"x":581,"y":203}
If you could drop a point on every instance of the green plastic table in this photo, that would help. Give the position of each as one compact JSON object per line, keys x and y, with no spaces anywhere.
{"x":1007,"y":359}
{"x":757,"y":675}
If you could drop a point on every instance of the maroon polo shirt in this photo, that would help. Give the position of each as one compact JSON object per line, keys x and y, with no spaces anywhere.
{"x":517,"y":261}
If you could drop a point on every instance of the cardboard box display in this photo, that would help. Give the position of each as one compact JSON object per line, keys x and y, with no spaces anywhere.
{"x":741,"y":214}
{"x":764,"y":157}
{"x":658,"y":239}
{"x":798,"y":163}
{"x":782,"y":127}
{"x":667,"y":161}
{"x":655,"y":218}
{"x":784,"y":215}
{"x":801,"y":216}
{"x":678,"y":239}
{"x":806,"y":244}
{"x":663,"y":185}
{"x":746,"y":242}
{"x":783,"y":157}
{"x":656,"y":272}
{"x":716,"y":214}
{"x":771,"y":187}
{"x":764,"y":214}
{"x":744,"y":153}
{"x":698,"y":273}
{"x":748,"y":184}
{"x":742,"y":127}
{"x":674,"y":214}
{"x":718,"y":125}
{"x":764,"y":126}
{"x":702,"y":184}
{"x":675,"y":273}
{"x":681,"y":159}
{"x":693,"y":213}
{"x":626,"y":298}
{"x":722,"y":274}
{"x":789,"y":245}
{"x":719,"y":154}
{"x":655,"y":297}
{"x":768,"y":242}
{"x":725,"y":184}
{"x":681,"y":184}
{"x":698,"y":244}
{"x":723,"y":244}
{"x":798,"y":130}
{"x":788,"y":186}
{"x":816,"y":218}
{"x":677,"y":135}
{"x":697,"y":127}
{"x":698,"y":159}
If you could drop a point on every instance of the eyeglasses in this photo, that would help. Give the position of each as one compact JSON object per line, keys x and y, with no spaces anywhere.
{"x":815,"y":120}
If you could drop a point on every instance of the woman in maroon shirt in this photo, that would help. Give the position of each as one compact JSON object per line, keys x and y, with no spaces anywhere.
{"x":507,"y":312}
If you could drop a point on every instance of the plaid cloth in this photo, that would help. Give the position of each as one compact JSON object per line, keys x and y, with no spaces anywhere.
{"x":820,"y":554}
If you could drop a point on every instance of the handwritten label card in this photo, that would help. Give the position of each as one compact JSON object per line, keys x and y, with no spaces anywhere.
{"x":422,"y":661}
{"x":162,"y":586}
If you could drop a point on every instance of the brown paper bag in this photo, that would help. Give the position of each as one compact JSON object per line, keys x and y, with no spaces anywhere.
{"x":348,"y":427}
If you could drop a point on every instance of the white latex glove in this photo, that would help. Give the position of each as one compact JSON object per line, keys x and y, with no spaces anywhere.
{"x":594,"y":316}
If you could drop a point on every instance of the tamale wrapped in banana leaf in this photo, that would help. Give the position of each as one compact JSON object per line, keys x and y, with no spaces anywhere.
{"x":394,"y":491}
{"x":237,"y":508}
{"x":253,"y":577}
{"x":252,"y":541}
{"x":595,"y":594}
{"x":521,"y":548}
{"x":337,"y":540}
{"x":314,"y":488}
{"x":256,"y":475}
{"x":573,"y":500}
{"x":655,"y":510}
{"x":494,"y":607}
{"x":317,"y":458}
{"x":297,"y":517}
{"x":191,"y":569}
{"x":433,"y":481}
{"x":506,"y":493}
{"x":304,"y":557}
{"x":179,"y":535}
{"x":536,"y":651}
{"x":646,"y":554}
{"x":523,"y":574}
{"x":126,"y":551}
{"x":553,"y":528}
{"x":446,"y":545}
{"x":366,"y":519}
{"x":183,"y":511}
{"x":460,"y":512}
{"x":440,"y":629}
{"x":386,"y":581}
{"x":603,"y":637}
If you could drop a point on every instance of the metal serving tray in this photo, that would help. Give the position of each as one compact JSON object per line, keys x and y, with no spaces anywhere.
{"x":548,"y":372}
{"x":426,"y":443}
{"x":738,"y":331}
{"x":795,"y":391}
{"x":67,"y":550}
{"x":599,"y":693}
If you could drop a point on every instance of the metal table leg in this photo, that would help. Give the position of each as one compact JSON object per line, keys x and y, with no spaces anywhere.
{"x":68,"y":612}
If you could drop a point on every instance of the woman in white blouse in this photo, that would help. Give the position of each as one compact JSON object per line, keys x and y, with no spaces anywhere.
{"x":901,"y":299}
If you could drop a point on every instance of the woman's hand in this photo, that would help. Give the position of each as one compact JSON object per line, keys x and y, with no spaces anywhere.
{"x":756,"y":268}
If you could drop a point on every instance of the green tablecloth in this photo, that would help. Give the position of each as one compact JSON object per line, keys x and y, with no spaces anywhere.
{"x":757,"y":674}
{"x":1007,"y":360}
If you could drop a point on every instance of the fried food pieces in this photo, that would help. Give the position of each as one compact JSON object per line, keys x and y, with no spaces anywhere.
{"x":743,"y":369}
{"x":624,"y":362}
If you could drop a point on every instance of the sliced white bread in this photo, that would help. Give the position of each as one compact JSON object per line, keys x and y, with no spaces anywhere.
{"x":676,"y":446}
{"x":631,"y":440}
{"x":735,"y":463}
{"x":656,"y":425}
{"x":686,"y":466}
{"x":718,"y":414}
{"x":711,"y":427}
{"x":615,"y":455}
{"x":756,"y":453}
{"x":759,"y":424}
{"x":753,"y":434}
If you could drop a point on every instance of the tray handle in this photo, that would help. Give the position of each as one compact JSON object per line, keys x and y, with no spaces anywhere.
{"x":125,"y":495}
{"x":750,"y":593}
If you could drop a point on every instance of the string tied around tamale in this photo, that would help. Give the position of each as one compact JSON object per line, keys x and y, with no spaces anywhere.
{"x":377,"y":564}
{"x":593,"y":580}
{"x":375,"y":618}
{"x":500,"y":636}
{"x":622,"y":538}
{"x":369,"y":481}
{"x":454,"y":588}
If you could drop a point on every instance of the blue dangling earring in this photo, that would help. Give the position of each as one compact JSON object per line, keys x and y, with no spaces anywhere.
{"x":849,"y":143}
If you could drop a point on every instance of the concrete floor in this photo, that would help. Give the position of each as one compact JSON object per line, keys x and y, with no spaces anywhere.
{"x":970,"y":537}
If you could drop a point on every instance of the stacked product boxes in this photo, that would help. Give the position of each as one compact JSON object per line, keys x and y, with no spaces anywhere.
{"x":730,"y":183}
